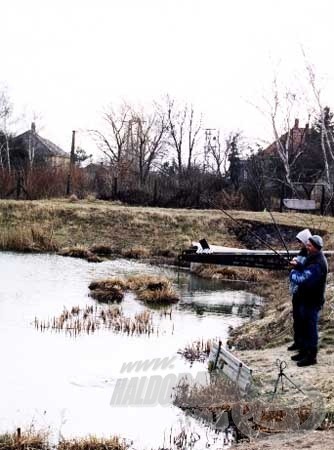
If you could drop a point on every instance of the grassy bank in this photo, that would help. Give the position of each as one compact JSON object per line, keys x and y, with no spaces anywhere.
{"x":130,"y":231}
{"x":47,"y":225}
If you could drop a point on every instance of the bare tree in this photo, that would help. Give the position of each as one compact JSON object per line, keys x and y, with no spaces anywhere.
{"x":114,"y":142}
{"x":148,"y":140}
{"x":6,"y":110}
{"x":220,"y":152}
{"x":184,"y":131}
{"x":134,"y":140}
{"x":281,"y":109}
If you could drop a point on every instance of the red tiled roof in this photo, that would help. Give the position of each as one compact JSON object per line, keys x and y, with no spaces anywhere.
{"x":296,"y":136}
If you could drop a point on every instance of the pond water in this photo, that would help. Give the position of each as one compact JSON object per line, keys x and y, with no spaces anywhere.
{"x":66,"y":383}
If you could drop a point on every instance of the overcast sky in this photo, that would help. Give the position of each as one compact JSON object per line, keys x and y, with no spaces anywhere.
{"x":64,"y":61}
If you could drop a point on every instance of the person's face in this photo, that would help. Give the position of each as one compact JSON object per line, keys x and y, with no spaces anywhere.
{"x":311,"y":249}
{"x":301,"y":244}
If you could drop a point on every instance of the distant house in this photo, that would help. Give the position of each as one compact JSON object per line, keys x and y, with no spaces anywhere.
{"x":293,"y":141}
{"x":302,"y":147}
{"x":31,"y":148}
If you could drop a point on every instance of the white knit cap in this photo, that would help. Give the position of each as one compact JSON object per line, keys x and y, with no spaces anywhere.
{"x":304,"y":235}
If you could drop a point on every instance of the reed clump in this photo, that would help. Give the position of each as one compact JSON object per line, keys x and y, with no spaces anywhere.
{"x":81,"y":252}
{"x":28,"y":239}
{"x":39,"y":440}
{"x":93,"y":443}
{"x":88,"y":320}
{"x":208,"y":400}
{"x":153,"y":289}
{"x":198,"y":350}
{"x":165,"y":252}
{"x":25,"y":440}
{"x":228,"y":273}
{"x":164,"y":296}
{"x":136,"y":252}
{"x":101,"y":249}
{"x":108,"y":290}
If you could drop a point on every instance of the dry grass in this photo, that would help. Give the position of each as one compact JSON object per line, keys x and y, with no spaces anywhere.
{"x":109,"y":283}
{"x":27,"y":239}
{"x":27,"y":440}
{"x":107,"y":296}
{"x":91,"y":198}
{"x":163,"y":296}
{"x":230,"y":273}
{"x":208,"y":402}
{"x":198,"y":350}
{"x":108,"y":290}
{"x":101,"y":249}
{"x":38,"y":440}
{"x":93,"y":443}
{"x":75,"y":252}
{"x":131,"y":229}
{"x":80,"y":252}
{"x":136,"y":231}
{"x":153,"y":290}
{"x":274,"y":327}
{"x":92,"y":318}
{"x":136,"y":252}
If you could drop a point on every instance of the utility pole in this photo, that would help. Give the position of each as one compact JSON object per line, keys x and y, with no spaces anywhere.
{"x":72,"y":162}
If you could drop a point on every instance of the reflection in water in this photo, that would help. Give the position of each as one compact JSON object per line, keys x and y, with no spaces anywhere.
{"x":67,"y":383}
{"x":206,"y":296}
{"x":233,"y":309}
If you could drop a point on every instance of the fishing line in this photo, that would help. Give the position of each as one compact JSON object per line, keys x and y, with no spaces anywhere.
{"x":271,"y":215}
{"x":286,"y":260}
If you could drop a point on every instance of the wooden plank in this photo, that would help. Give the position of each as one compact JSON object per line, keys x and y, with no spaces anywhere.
{"x":228,"y":357}
{"x":232,"y":374}
{"x":231,"y":366}
{"x":246,"y":372}
{"x":244,"y":377}
{"x":244,"y":384}
{"x":299,"y":204}
{"x":231,"y":363}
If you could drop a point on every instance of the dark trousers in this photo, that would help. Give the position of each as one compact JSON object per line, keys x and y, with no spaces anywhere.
{"x":308,"y":317}
{"x":297,"y":323}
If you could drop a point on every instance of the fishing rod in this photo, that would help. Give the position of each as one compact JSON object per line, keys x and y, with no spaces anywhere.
{"x":271,"y":215}
{"x":286,"y":260}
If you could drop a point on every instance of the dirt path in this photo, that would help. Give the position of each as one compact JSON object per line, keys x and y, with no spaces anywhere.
{"x":314,"y":440}
{"x":319,"y":377}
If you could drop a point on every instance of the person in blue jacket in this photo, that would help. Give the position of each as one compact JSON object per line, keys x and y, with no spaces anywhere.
{"x":310,"y":282}
{"x":297,"y":263}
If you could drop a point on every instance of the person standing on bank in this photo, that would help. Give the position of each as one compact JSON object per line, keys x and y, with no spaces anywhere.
{"x":310,"y":281}
{"x":298,"y":263}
